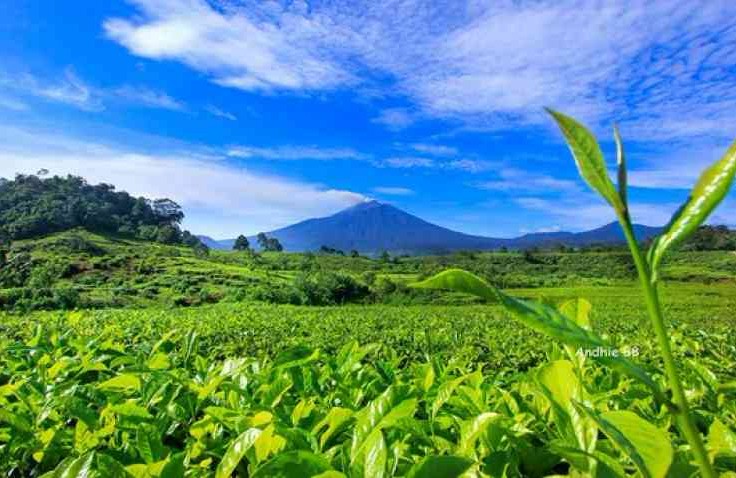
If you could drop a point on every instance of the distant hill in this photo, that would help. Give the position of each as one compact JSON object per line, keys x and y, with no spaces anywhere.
{"x":372,"y":227}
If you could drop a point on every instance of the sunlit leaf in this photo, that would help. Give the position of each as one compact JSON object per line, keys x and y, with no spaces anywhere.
{"x":391,"y":406}
{"x":588,"y":157}
{"x":293,"y":464}
{"x":543,"y":319}
{"x":447,"y":466}
{"x":647,"y":446}
{"x":235,"y":452}
{"x":708,"y":192}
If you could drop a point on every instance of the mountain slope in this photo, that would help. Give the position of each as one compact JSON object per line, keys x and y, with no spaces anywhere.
{"x":375,"y":227}
{"x":372,"y":227}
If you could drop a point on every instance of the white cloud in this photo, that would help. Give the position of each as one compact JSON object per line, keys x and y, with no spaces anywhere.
{"x":466,"y":165}
{"x":395,"y":119}
{"x":405,"y":162}
{"x":434,"y":149}
{"x":219,"y":199}
{"x":295,"y":153}
{"x":662,"y":68}
{"x":69,"y":89}
{"x":72,"y":90}
{"x":215,"y":111}
{"x":147,"y":97}
{"x":238,"y":50}
{"x":393,"y":191}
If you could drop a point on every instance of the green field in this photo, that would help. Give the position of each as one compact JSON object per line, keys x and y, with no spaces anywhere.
{"x":167,"y":363}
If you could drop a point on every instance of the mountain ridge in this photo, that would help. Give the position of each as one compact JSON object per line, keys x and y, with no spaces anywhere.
{"x":372,"y":227}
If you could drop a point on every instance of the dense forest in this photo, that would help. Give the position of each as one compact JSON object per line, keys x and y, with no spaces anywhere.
{"x":33,"y":206}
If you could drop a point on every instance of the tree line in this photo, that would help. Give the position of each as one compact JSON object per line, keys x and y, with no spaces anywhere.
{"x":33,"y":206}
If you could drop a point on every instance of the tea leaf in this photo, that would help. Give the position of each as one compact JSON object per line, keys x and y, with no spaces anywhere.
{"x":647,"y":446}
{"x":440,"y":467}
{"x":235,"y":452}
{"x":708,"y":192}
{"x":543,"y":319}
{"x":621,"y":163}
{"x":588,"y":157}
{"x":293,"y":464}
{"x":383,"y":412}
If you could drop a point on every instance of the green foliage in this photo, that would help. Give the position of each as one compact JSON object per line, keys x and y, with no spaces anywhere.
{"x":31,"y":206}
{"x":81,"y":394}
{"x":241,"y":243}
{"x":709,"y":191}
{"x":647,"y":446}
{"x":268,"y":244}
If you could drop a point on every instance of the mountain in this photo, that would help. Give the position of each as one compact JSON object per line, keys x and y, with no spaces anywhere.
{"x":372,"y":227}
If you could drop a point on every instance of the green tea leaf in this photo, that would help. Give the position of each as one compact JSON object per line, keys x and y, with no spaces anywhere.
{"x":78,"y":468}
{"x":588,"y":157}
{"x":149,"y":445}
{"x":293,"y":464}
{"x":174,"y":467}
{"x":444,"y":392}
{"x":374,"y":461}
{"x":383,"y":412}
{"x":471,"y":431}
{"x":543,"y":319}
{"x":647,"y":446}
{"x":721,"y":440}
{"x":125,"y":383}
{"x":448,"y":466}
{"x":334,"y":421}
{"x":561,"y":386}
{"x":621,"y":163}
{"x":708,"y":192}
{"x":235,"y":452}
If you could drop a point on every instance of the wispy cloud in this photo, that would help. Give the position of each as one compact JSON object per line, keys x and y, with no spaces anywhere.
{"x":395,"y":119}
{"x":406,"y":162}
{"x":434,"y":149}
{"x":517,"y":180}
{"x":220,"y":199}
{"x":147,"y":97}
{"x":215,"y":111}
{"x":295,"y":153}
{"x":393,"y":191}
{"x":70,"y":89}
{"x":10,"y":103}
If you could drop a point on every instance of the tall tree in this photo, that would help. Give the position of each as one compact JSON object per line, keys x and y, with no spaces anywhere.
{"x":241,"y":243}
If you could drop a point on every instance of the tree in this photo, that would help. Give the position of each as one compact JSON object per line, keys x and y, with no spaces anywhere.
{"x":268,"y":244}
{"x":33,"y":206}
{"x":385,"y":256}
{"x":241,"y":243}
{"x":273,"y":245}
{"x":262,"y":240}
{"x":354,"y":253}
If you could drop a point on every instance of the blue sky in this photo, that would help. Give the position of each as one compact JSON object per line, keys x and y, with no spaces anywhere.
{"x":254,"y":115}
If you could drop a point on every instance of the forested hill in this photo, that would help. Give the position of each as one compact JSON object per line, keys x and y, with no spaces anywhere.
{"x":33,"y":206}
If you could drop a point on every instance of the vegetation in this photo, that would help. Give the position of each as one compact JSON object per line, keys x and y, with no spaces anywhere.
{"x":31,"y":206}
{"x":571,"y":327}
{"x":268,"y":244}
{"x":241,"y":243}
{"x":157,"y":392}
{"x":129,"y":349}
